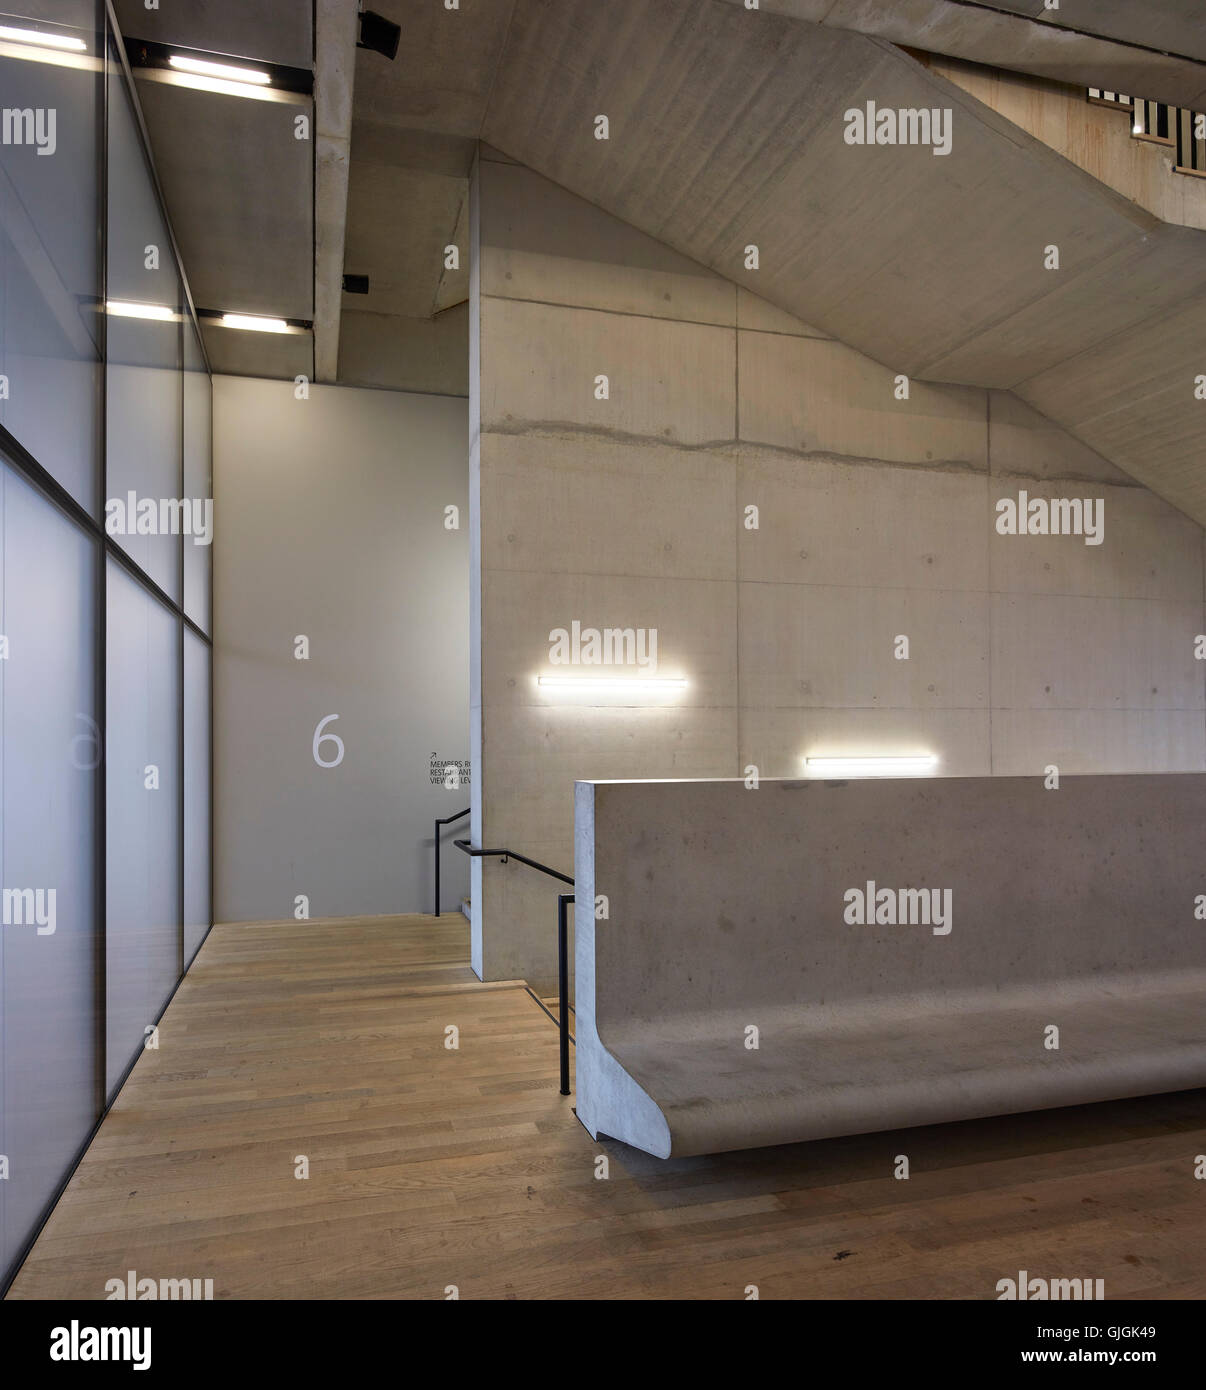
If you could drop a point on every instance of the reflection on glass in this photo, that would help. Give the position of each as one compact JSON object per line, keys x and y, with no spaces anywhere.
{"x":50,"y":335}
{"x":144,"y":391}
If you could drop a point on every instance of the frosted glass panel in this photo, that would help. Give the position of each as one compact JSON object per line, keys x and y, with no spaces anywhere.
{"x":198,"y":475}
{"x":50,"y":377}
{"x":49,"y":814}
{"x":143,"y":793}
{"x":144,"y":379}
{"x":196,"y":793}
{"x":92,"y":372}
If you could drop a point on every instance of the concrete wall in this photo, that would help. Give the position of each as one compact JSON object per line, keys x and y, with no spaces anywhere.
{"x":876,"y":520}
{"x":329,"y":523}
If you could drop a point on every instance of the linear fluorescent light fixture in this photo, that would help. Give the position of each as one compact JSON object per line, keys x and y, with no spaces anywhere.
{"x":124,"y":309}
{"x":916,"y":765}
{"x":40,"y":39}
{"x":254,"y":323}
{"x":222,"y":72}
{"x":613,"y":685}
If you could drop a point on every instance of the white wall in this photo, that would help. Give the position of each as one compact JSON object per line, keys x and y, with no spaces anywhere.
{"x":330,"y":522}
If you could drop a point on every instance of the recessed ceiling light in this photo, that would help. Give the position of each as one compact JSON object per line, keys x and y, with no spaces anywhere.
{"x":43,"y":40}
{"x":125,"y":309}
{"x":225,"y":72}
{"x":256,"y":323}
{"x":914,"y":765}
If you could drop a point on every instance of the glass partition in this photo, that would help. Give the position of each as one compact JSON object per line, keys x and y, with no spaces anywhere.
{"x":197,"y":750}
{"x":144,"y":387}
{"x":105,"y":483}
{"x":50,"y":826}
{"x":198,"y":476}
{"x":143,"y":830}
{"x":50,"y":263}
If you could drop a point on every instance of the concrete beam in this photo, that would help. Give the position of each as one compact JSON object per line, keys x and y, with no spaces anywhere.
{"x":334,"y":75}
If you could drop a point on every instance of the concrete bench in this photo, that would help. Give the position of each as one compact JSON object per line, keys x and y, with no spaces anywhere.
{"x":736,"y":995}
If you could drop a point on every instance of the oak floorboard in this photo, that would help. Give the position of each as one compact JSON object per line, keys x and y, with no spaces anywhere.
{"x":430,"y":1166}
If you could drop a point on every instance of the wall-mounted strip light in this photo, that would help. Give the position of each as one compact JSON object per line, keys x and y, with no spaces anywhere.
{"x":613,"y":685}
{"x":916,"y":765}
{"x":124,"y":309}
{"x":40,"y":39}
{"x":222,"y":72}
{"x":255,"y":323}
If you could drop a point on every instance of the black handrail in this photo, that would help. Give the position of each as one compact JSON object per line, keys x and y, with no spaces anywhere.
{"x":506,"y":854}
{"x":447,"y":820}
{"x":563,"y":902}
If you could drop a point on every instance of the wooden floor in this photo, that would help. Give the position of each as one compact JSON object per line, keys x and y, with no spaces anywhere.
{"x":431,"y":1167}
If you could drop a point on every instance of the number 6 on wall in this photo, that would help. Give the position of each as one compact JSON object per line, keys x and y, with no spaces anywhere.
{"x":320,"y":738}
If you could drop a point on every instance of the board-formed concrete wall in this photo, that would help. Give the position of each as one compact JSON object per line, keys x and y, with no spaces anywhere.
{"x":757,"y":976}
{"x":876,"y":519}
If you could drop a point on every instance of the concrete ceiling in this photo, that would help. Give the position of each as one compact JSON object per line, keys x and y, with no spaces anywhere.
{"x":400,"y":219}
{"x":238,"y":185}
{"x":441,"y":78}
{"x":1150,"y":48}
{"x":416,"y":122}
{"x":1173,"y":26}
{"x":415,"y":127}
{"x":269,"y":224}
{"x":726,"y":128}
